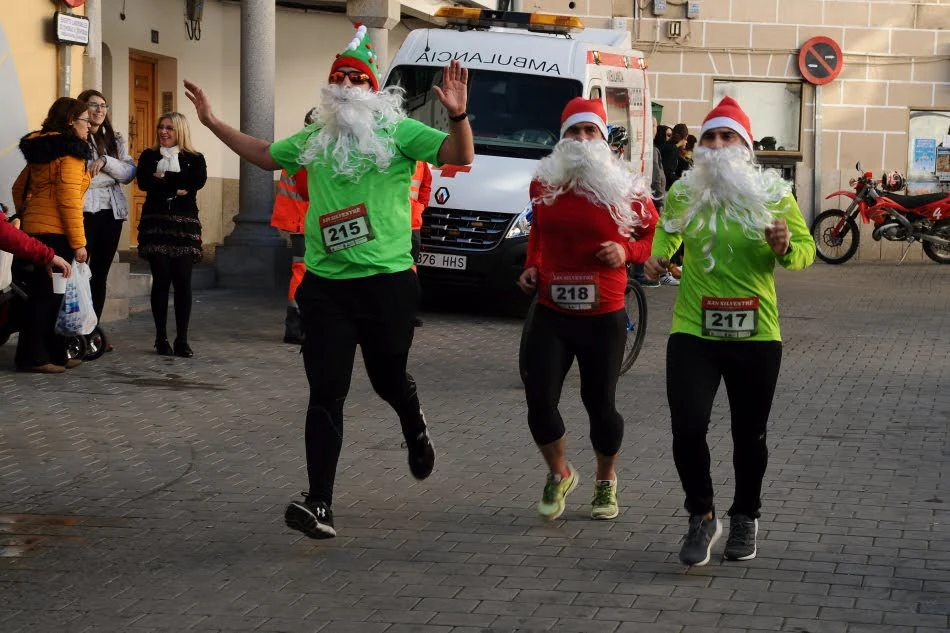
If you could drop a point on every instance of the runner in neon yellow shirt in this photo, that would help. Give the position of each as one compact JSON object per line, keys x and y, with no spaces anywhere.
{"x":737,"y":221}
{"x":359,"y":288}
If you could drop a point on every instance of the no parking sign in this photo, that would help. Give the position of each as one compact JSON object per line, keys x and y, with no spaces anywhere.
{"x":820,"y":60}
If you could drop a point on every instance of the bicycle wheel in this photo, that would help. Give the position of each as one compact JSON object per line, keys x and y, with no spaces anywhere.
{"x":635,"y":304}
{"x":528,"y":319}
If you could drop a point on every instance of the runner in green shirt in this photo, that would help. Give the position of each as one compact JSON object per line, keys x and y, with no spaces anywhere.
{"x":737,"y":221}
{"x":359,"y":289}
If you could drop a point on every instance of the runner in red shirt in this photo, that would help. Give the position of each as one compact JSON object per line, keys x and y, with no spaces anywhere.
{"x":591,"y":217}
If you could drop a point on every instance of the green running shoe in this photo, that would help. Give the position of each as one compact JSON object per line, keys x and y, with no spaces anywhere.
{"x":556,"y":490}
{"x":604,"y":504}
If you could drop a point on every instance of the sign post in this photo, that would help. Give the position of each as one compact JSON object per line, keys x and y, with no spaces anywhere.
{"x":69,"y":29}
{"x":820,"y":61}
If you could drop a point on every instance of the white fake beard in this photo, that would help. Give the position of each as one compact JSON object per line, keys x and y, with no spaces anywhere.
{"x":349,"y":118}
{"x":726,"y":183}
{"x":589,"y":169}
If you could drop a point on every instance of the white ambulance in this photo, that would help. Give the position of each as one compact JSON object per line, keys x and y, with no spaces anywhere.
{"x":523,"y":69}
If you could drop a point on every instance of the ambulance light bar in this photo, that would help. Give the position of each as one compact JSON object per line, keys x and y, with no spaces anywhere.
{"x":543,"y":22}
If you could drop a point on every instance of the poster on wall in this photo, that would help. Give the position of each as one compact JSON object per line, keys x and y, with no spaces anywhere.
{"x":925,"y":154}
{"x":943,"y":164}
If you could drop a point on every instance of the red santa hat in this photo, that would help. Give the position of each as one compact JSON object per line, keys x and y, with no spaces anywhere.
{"x":581,"y":110}
{"x":728,"y":114}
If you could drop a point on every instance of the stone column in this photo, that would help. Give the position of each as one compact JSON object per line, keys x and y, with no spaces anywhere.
{"x":254,"y":255}
{"x":92,"y":63}
{"x":380,"y":39}
{"x":379,"y":16}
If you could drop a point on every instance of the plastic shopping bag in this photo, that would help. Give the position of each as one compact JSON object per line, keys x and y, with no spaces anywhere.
{"x":6,"y":269}
{"x":77,"y":316}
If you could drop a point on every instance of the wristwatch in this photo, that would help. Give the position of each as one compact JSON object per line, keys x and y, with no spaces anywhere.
{"x":458,"y":118}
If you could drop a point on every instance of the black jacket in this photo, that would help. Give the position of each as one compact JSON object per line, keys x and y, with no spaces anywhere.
{"x":160,"y":193}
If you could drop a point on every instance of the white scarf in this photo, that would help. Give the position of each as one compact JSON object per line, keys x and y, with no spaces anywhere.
{"x":169,"y":161}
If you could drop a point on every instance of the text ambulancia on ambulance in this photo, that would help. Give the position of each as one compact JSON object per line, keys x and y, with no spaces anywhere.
{"x":523,"y":69}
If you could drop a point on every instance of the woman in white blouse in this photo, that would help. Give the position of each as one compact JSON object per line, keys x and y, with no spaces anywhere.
{"x":105,"y":206}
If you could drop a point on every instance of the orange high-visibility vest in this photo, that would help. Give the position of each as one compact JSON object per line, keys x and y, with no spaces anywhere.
{"x":291,"y":202}
{"x":419,"y":192}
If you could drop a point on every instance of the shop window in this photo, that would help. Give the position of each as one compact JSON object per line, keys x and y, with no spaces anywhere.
{"x":928,"y":152}
{"x":774,"y":109}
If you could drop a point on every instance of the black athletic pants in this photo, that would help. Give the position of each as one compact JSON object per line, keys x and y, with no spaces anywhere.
{"x":102,"y":240}
{"x":166,"y":272}
{"x":376,"y":313}
{"x":694,"y":368}
{"x":554,"y":339}
{"x":38,"y":343}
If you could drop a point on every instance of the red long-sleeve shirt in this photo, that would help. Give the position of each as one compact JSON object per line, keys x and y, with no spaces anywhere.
{"x":564,"y":240}
{"x":13,"y":240}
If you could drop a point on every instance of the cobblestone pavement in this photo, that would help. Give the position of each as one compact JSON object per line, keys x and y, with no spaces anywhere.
{"x":142,"y":493}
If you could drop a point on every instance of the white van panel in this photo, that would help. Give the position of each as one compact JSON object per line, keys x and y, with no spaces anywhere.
{"x":492,"y":183}
{"x":489,"y":50}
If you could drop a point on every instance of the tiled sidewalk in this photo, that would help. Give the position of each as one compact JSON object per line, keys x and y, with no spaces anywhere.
{"x":141,"y":493}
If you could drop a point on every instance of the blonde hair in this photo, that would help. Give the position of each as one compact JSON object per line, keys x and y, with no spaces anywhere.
{"x":180,"y":123}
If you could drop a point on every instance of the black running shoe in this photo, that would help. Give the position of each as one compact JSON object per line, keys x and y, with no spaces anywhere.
{"x":741,"y":542}
{"x":315,"y":519}
{"x":421,"y":456}
{"x":702,"y":535}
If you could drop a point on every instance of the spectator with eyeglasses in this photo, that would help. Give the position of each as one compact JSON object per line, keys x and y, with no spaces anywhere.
{"x":359,"y":288}
{"x":105,"y":206}
{"x":48,"y":195}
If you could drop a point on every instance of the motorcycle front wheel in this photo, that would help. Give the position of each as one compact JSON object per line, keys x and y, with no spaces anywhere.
{"x":836,"y":236}
{"x":940,"y":253}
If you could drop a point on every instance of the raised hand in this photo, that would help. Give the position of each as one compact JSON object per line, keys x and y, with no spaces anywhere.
{"x":454,"y":91}
{"x":202,"y":104}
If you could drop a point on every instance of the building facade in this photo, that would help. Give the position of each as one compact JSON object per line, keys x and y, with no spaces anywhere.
{"x":889,"y":107}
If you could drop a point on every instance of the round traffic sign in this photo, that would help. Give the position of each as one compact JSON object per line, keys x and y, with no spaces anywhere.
{"x":74,"y":3}
{"x":820,"y":60}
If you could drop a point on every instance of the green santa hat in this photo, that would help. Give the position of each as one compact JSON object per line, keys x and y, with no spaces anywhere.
{"x":359,"y":54}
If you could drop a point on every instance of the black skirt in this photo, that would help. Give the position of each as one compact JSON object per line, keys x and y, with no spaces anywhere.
{"x":171,"y":235}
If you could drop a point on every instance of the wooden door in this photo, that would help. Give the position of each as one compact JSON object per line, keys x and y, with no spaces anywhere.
{"x":142,"y":125}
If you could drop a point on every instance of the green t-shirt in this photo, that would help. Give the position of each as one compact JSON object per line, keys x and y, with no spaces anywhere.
{"x":363,"y":227}
{"x":740,"y":290}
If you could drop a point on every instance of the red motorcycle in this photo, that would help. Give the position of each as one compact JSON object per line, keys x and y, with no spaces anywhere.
{"x":924,"y":218}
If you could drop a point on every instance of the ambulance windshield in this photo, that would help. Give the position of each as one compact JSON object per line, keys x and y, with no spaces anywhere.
{"x":512,"y":114}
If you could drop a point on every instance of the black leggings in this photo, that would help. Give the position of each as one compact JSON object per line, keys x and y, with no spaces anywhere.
{"x":102,"y":241}
{"x":376,"y":313}
{"x":168,"y":271}
{"x":38,"y":343}
{"x":694,"y":368}
{"x":554,"y":339}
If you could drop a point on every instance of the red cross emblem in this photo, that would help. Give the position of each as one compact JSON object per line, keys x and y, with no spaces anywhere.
{"x":449,"y":171}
